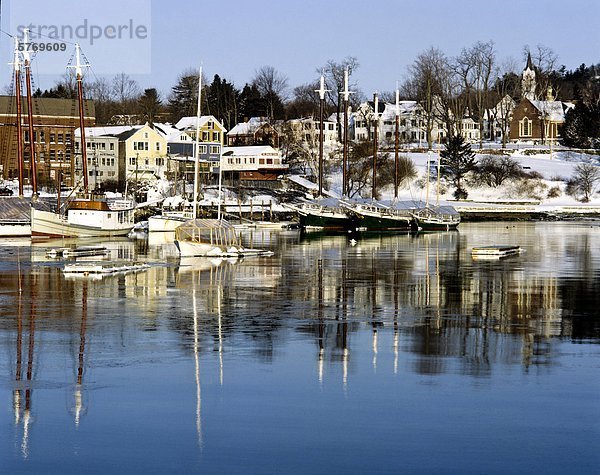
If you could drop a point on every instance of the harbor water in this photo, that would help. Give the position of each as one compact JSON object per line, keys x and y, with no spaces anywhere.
{"x":397,"y":354}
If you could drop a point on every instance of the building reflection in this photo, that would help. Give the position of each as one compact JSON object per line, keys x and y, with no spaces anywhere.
{"x":399,"y":303}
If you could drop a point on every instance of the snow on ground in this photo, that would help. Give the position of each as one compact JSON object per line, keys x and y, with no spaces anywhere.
{"x":554,"y":170}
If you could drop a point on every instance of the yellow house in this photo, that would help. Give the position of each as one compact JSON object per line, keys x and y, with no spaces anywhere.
{"x":142,"y":154}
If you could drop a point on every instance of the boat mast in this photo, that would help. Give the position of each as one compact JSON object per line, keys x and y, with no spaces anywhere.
{"x":346,"y":94}
{"x":197,"y":146}
{"x":17,"y":66}
{"x":427,"y":178}
{"x":396,"y":140}
{"x":439,"y":160}
{"x":375,"y":127}
{"x":27,"y":64}
{"x":321,"y":92}
{"x":79,"y":77}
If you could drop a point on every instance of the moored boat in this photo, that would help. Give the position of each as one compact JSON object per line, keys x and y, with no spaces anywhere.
{"x":378,"y":217}
{"x":438,"y":218}
{"x":323,"y":214}
{"x":211,"y":238}
{"x":88,"y":215}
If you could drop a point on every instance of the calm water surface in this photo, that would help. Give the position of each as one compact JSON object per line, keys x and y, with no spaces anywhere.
{"x":392,"y":354}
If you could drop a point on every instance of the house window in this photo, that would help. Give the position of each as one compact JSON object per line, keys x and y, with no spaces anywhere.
{"x":158,"y":146}
{"x":60,"y":138}
{"x":525,"y":127}
{"x":214,"y":149}
{"x":112,"y":146}
{"x":202,"y":148}
{"x":52,"y":138}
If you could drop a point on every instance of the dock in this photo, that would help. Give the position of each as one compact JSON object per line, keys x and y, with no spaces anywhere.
{"x":99,"y":269}
{"x":494,"y":252}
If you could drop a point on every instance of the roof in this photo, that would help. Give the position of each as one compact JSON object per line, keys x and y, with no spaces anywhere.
{"x":250,"y":150}
{"x":49,"y":106}
{"x":107,"y":131}
{"x":191,"y":122}
{"x":553,"y":110}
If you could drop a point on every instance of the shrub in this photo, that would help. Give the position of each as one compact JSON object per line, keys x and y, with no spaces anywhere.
{"x":554,"y":192}
{"x":493,"y":171}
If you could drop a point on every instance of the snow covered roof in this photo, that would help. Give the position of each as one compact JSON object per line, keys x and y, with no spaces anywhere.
{"x":186,"y":123}
{"x":405,"y":108}
{"x":553,"y":110}
{"x":167,"y":130}
{"x":111,"y":130}
{"x":250,"y":150}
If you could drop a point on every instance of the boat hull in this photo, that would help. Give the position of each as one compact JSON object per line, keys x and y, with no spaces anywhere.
{"x":326,"y":222}
{"x":436,"y":225}
{"x":45,"y":224}
{"x":363,"y":222}
{"x":164,"y":224}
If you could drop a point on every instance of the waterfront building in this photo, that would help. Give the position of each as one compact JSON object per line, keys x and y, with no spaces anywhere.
{"x":55,"y":121}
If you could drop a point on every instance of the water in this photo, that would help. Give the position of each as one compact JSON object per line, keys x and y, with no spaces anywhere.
{"x":392,"y":354}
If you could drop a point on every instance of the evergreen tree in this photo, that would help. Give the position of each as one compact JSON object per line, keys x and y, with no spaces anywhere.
{"x":184,"y":96}
{"x":582,"y":126}
{"x":150,"y":104}
{"x":222,"y":101}
{"x":457,"y":160}
{"x":251,"y":103}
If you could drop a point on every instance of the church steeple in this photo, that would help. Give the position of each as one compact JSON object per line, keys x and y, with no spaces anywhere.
{"x":528,"y":82}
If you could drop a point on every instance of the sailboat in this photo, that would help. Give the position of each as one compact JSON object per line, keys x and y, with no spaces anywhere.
{"x":168,"y":220}
{"x":87,"y":214}
{"x":14,"y":211}
{"x":373,"y":215}
{"x":435,"y":218}
{"x":323,"y":213}
{"x":209,"y":237}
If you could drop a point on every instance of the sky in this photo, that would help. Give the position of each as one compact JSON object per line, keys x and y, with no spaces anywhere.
{"x":161,"y":39}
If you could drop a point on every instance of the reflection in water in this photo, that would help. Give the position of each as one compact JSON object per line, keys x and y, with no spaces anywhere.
{"x":353,"y":313}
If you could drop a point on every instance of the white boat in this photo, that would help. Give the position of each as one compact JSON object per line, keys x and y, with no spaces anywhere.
{"x":211,"y":238}
{"x":88,"y":215}
{"x":168,"y":221}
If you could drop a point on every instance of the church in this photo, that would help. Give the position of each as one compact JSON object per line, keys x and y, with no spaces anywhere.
{"x":534,"y":119}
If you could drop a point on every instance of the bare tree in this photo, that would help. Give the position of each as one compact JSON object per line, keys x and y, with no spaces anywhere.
{"x":272,"y":86}
{"x":504,"y":90}
{"x":125,"y":88}
{"x":584,"y":181}
{"x":334,"y":77}
{"x":430,"y":81}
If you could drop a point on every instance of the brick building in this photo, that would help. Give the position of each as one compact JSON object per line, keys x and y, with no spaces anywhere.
{"x":55,"y":121}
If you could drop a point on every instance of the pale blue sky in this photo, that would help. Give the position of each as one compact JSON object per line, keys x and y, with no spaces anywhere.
{"x":236,"y":37}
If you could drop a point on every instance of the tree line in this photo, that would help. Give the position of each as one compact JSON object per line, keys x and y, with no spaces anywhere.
{"x":472,"y":83}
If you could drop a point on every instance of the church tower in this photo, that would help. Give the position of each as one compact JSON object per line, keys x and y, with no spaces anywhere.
{"x":528,"y":80}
